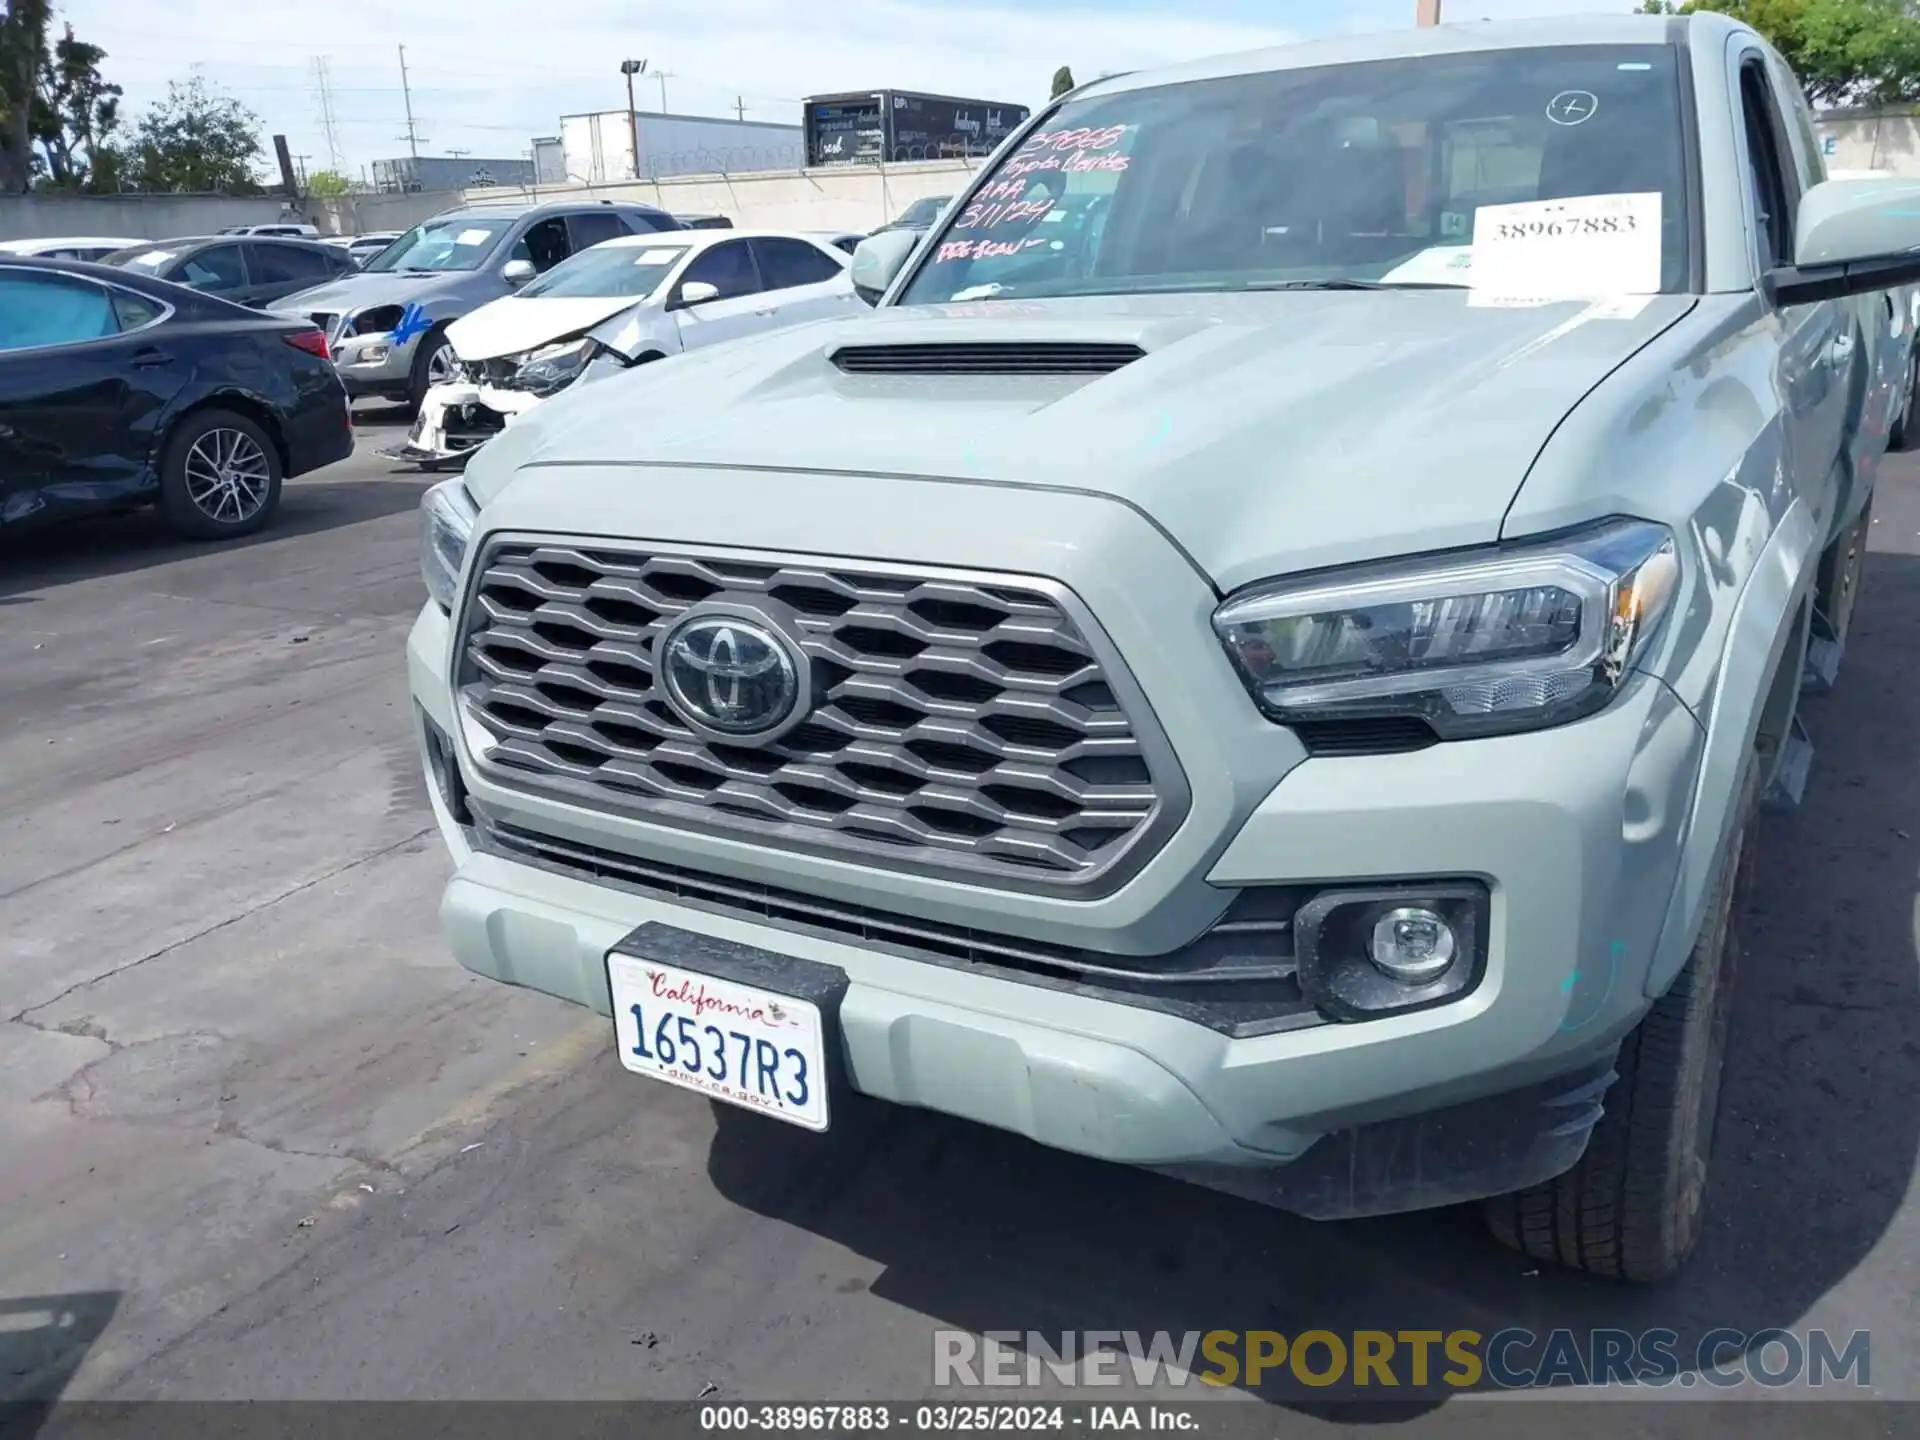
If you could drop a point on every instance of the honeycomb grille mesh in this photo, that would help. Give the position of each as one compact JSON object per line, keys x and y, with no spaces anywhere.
{"x":959,"y":725}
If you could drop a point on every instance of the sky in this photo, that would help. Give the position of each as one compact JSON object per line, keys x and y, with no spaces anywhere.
{"x":487,"y":75}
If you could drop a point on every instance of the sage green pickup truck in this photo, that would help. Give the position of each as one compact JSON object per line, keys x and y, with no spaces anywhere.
{"x":1258,"y":657}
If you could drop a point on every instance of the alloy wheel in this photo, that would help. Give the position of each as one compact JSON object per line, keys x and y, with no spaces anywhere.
{"x":228,"y":476}
{"x":442,"y":368}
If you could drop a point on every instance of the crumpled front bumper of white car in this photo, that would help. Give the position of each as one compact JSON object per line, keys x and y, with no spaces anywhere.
{"x":457,"y":419}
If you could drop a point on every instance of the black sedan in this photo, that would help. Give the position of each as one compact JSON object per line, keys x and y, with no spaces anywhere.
{"x":251,"y":270}
{"x":119,"y":390}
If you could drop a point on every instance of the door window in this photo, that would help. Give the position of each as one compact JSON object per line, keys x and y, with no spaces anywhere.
{"x":728,"y":268}
{"x":41,"y":310}
{"x":216,"y":269}
{"x":593,"y":227}
{"x":545,"y":244}
{"x":289,"y":264}
{"x":136,"y":312}
{"x":787,"y":263}
{"x":1774,"y":189}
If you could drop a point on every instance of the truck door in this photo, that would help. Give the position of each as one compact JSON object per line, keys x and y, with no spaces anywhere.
{"x":1819,"y":343}
{"x":1880,"y":367}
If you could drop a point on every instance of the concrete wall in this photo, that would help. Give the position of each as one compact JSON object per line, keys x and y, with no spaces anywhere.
{"x":358,"y":214}
{"x":143,"y":217}
{"x":850,"y":198}
{"x":1871,"y":140}
{"x":834,"y":198}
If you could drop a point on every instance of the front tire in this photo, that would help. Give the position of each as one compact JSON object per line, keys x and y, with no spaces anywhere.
{"x":1632,"y":1208}
{"x":219,"y":477}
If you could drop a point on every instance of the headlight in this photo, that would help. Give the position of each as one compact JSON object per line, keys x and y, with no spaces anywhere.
{"x":447,"y":514}
{"x":554,"y":367}
{"x":1476,"y":643}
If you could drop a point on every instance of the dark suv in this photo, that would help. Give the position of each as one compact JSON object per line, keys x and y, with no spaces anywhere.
{"x":249,"y":270}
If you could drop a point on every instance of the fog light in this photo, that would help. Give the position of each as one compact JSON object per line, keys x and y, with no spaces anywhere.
{"x":1367,"y":951}
{"x":1413,"y":944}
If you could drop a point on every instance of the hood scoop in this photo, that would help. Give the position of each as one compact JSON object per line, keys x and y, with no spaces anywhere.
{"x":994,"y":357}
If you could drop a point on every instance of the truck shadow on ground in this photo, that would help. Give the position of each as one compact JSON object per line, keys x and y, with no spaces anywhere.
{"x":135,"y":540}
{"x":983,"y":1231}
{"x":43,"y":1340}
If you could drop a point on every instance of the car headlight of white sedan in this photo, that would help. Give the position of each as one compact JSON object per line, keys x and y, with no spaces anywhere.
{"x":553,"y":367}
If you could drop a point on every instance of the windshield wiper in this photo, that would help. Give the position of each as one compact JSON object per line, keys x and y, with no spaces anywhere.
{"x":1342,"y":282}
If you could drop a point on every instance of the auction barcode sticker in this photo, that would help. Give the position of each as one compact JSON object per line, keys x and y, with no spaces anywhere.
{"x":1578,"y":248}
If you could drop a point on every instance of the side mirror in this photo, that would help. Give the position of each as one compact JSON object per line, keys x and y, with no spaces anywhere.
{"x":1852,"y":237}
{"x":878,"y":259}
{"x":694,"y":292}
{"x":517,"y":272}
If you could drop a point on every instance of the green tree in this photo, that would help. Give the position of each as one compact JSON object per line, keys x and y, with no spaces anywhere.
{"x":198,"y":141}
{"x":327,"y":185}
{"x":23,"y":44}
{"x":1846,"y":52}
{"x":76,"y":115}
{"x":1062,"y":82}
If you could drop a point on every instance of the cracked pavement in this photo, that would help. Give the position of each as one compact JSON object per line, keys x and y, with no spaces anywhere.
{"x":261,"y":1138}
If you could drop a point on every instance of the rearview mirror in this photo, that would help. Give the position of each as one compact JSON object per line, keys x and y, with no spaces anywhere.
{"x":695,"y":292}
{"x":878,"y":259}
{"x":1851,"y":237}
{"x":517,"y":272}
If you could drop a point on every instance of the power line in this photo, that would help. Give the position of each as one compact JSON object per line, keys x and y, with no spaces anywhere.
{"x":323,"y":85}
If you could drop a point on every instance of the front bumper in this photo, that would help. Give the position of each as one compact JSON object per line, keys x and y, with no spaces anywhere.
{"x":373,"y":365}
{"x":457,"y":419}
{"x":1575,"y":832}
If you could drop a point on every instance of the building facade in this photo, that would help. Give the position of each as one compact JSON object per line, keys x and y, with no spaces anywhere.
{"x":598,"y":148}
{"x":449,"y":172}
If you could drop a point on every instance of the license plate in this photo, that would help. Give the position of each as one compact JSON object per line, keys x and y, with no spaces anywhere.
{"x":748,"y":1047}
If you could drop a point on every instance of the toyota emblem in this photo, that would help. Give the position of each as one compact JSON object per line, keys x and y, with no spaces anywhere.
{"x":730,"y":675}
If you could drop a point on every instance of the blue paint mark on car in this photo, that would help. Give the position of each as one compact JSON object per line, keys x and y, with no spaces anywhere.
{"x":413,"y":321}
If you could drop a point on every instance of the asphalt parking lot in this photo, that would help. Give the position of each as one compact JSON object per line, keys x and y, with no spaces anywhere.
{"x":261,"y":1138}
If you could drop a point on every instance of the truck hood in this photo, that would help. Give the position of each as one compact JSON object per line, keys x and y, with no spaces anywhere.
{"x":361,"y":291}
{"x":1263,"y":433}
{"x":511,"y":325}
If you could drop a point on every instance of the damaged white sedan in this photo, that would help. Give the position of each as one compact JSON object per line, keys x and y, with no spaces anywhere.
{"x":622,"y":303}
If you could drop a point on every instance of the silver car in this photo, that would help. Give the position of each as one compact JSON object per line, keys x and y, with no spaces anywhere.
{"x":386,"y":325}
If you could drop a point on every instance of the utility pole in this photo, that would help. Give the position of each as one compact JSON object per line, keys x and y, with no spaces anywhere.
{"x":1428,"y":14}
{"x":458,"y":154}
{"x":739,"y":107}
{"x":631,"y":68}
{"x":300,"y":162}
{"x":663,"y":76}
{"x":406,"y":92}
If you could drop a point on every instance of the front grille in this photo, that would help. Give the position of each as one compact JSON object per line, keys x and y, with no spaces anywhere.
{"x":1238,"y":977}
{"x":963,"y":725}
{"x":987,"y":358}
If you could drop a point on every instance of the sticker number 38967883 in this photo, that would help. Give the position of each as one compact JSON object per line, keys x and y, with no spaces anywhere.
{"x":1585,"y":245}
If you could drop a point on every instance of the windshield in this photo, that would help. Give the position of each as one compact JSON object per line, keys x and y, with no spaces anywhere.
{"x":455,"y":242}
{"x":149,"y":259}
{"x":635,"y":270}
{"x":1527,"y":173}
